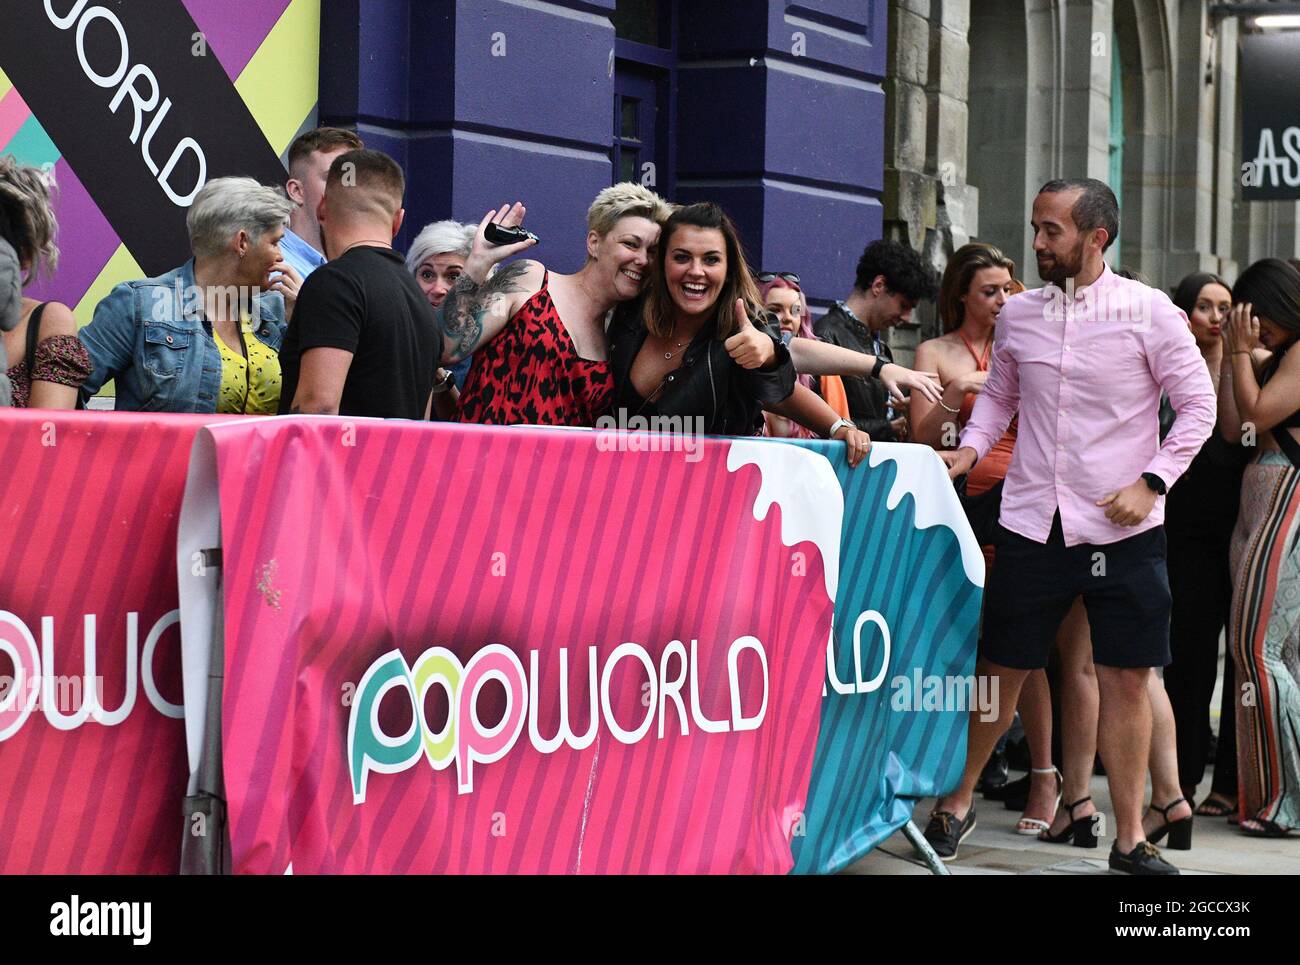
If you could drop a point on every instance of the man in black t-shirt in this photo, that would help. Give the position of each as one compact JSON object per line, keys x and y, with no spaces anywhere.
{"x":362,"y":340}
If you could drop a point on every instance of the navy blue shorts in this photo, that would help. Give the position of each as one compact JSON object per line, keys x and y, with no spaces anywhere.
{"x":1124,"y":585}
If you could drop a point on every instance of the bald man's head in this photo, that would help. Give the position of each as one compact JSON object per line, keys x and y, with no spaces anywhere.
{"x":364,"y":185}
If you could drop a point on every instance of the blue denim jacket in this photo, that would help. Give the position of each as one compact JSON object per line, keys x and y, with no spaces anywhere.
{"x":150,"y":335}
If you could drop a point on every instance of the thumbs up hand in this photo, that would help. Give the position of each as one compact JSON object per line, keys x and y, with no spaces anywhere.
{"x":750,"y":348}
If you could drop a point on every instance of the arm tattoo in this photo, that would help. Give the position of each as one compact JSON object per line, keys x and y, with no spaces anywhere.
{"x":461,"y":314}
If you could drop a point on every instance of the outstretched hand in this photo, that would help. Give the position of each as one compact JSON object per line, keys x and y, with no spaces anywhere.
{"x":750,"y":348}
{"x":896,"y":378}
{"x":483,"y":254}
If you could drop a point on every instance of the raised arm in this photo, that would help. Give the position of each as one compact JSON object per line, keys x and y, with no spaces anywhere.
{"x":478,"y":306}
{"x":814,"y":357}
{"x":1230,"y":427}
{"x":1262,"y":407}
{"x":472,"y":314}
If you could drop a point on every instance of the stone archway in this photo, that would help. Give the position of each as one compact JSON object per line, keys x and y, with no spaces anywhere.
{"x":1143,"y":58}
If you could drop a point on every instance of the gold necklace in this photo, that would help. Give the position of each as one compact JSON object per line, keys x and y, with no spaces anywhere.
{"x":382,"y":244}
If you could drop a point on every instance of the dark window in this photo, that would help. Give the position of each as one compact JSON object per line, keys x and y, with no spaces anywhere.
{"x":645,"y":77}
{"x":640,"y":21}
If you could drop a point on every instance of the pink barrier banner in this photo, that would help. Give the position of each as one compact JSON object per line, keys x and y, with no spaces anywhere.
{"x":469,"y":649}
{"x":92,"y":741}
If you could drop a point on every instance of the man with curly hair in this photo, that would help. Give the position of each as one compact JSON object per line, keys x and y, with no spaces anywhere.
{"x":890,"y":281}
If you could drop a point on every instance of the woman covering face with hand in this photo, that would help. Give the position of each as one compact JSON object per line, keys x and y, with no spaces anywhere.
{"x":1260,"y":390}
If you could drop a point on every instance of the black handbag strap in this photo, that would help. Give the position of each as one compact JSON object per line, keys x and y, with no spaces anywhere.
{"x":1288,"y":445}
{"x":33,"y":337}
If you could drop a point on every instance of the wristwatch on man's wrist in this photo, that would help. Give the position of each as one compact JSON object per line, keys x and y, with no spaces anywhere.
{"x":1156,"y":483}
{"x":881,"y":362}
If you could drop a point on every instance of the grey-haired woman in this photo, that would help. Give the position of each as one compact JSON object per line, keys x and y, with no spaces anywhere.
{"x":206,"y":336}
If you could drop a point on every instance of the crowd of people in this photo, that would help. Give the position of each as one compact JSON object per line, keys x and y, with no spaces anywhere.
{"x":1127,"y":460}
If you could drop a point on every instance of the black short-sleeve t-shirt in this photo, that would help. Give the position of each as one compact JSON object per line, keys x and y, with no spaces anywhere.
{"x":367,"y":303}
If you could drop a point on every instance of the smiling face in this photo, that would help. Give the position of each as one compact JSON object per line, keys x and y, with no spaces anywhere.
{"x":437,"y":274}
{"x":787,"y":305}
{"x":1059,"y":246}
{"x":695,"y":268}
{"x":1208,"y":315}
{"x":625,"y":255}
{"x":988,"y":292}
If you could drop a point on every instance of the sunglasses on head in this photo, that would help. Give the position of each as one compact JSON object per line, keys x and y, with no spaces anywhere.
{"x":766,"y":276}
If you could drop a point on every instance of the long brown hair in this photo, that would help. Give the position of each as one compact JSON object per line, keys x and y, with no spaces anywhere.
{"x":957,"y":278}
{"x":659,"y":309}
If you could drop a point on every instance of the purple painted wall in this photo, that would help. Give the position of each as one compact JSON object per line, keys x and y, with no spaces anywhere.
{"x":779,"y":115}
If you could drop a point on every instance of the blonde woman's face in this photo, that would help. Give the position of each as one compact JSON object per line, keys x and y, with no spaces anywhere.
{"x":627,"y":254}
{"x":787,"y":305}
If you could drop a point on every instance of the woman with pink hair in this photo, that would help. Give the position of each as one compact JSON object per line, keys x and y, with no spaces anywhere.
{"x":783,"y":299}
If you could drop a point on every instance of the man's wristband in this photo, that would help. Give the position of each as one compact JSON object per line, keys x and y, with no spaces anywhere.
{"x":881,"y":362}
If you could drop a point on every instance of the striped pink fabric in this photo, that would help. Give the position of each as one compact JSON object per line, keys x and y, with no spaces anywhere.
{"x":346,"y":540}
{"x":89,"y":508}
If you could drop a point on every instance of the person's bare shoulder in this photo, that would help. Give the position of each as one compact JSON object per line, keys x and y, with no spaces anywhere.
{"x":57,"y":319}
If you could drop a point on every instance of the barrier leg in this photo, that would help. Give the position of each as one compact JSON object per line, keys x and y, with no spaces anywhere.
{"x":922,"y":846}
{"x":206,"y":846}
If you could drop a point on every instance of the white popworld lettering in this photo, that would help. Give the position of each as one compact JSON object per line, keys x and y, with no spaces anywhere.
{"x":130,"y":81}
{"x":858,"y":685}
{"x":34,"y":681}
{"x":465,"y":740}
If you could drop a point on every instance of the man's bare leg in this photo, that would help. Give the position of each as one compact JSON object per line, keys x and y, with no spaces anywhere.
{"x":983,"y":735}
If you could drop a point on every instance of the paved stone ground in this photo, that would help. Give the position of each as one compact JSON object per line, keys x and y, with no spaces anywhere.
{"x":994,"y":848}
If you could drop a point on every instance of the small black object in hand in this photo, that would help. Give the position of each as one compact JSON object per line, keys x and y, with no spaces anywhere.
{"x":498,"y":235}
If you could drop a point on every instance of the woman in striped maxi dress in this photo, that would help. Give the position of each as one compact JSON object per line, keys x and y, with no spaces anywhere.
{"x":1260,"y":396}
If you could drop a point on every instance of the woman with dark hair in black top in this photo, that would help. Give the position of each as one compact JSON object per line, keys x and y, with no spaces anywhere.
{"x":1200,"y":513}
{"x":682,"y":350}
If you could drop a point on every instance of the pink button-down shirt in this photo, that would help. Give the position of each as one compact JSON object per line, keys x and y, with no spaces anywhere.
{"x":1085,"y":371}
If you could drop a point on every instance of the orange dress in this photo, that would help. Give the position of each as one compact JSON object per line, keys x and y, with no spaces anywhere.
{"x":992,"y":469}
{"x":832,"y":387}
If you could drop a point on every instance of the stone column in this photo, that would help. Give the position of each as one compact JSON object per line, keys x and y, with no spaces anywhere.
{"x":928,"y":203}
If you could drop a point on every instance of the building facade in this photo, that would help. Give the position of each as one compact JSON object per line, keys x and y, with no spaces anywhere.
{"x":988,"y":99}
{"x":775,"y":109}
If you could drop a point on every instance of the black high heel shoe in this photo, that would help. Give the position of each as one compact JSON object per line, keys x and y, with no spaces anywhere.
{"x":1180,"y":832}
{"x":1081,"y":832}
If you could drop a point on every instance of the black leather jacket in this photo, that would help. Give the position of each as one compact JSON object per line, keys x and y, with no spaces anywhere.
{"x":868,"y":398}
{"x":708,"y":384}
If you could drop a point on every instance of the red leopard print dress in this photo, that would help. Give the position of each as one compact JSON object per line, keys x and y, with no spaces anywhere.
{"x":531,"y":374}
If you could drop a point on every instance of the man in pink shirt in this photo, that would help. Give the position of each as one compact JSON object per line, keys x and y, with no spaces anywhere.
{"x":1083,"y":360}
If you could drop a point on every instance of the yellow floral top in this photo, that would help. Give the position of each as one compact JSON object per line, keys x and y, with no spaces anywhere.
{"x":259,"y":395}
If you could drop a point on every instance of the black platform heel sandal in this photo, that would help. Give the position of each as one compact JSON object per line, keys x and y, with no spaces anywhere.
{"x":1081,"y":832}
{"x":1180,"y":832}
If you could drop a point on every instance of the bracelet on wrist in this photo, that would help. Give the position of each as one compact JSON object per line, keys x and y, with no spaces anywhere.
{"x":948,"y":408}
